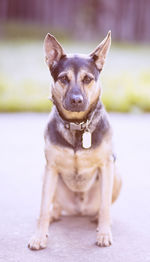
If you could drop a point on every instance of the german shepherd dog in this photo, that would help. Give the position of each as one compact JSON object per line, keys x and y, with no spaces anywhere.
{"x":80,"y":175}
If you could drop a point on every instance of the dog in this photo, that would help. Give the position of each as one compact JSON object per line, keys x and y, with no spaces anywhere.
{"x":80,"y":175}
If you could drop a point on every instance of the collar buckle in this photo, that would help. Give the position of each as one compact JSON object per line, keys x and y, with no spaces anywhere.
{"x":73,"y":126}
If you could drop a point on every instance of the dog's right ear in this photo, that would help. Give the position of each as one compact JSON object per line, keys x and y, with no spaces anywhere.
{"x":53,"y":50}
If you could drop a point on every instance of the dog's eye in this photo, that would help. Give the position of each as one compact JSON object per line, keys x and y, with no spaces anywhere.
{"x":64,"y":79}
{"x":87,"y":79}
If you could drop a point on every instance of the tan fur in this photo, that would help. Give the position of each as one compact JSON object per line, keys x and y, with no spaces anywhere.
{"x":84,"y":182}
{"x":67,"y":197}
{"x":91,"y":90}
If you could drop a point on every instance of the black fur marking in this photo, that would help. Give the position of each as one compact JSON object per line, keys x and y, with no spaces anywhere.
{"x":100,"y":131}
{"x":76,"y":63}
{"x":97,"y":136}
{"x":55,"y":136}
{"x":114,"y":157}
{"x":68,"y":105}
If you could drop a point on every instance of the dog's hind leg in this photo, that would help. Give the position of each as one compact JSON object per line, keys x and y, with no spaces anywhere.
{"x":116,"y":185}
{"x":94,"y":219}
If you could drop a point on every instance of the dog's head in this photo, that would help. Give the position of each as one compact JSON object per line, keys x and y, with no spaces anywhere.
{"x":76,"y":87}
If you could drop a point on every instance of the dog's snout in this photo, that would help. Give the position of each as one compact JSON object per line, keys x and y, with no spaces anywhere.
{"x":76,"y":99}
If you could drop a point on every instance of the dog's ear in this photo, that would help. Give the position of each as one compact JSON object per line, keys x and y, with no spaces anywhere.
{"x":100,"y":53}
{"x":53,"y":50}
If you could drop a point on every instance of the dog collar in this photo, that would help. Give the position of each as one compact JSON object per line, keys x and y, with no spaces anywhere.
{"x":86,"y":135}
{"x":74,"y":126}
{"x":79,"y":127}
{"x":84,"y":125}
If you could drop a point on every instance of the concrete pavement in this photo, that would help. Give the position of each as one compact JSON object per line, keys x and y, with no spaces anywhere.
{"x":73,"y":238}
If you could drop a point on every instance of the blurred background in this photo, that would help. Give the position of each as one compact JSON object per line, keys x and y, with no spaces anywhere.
{"x":79,"y":26}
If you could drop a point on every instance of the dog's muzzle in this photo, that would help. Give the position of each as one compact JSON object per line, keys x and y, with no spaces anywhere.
{"x":75,"y":102}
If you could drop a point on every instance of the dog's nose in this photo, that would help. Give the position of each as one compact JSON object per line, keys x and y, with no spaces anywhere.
{"x":76,"y":99}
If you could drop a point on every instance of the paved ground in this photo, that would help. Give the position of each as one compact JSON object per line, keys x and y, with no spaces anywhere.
{"x":72,"y":239}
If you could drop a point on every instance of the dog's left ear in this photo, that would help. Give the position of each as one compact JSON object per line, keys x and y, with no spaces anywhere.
{"x":53,"y":50}
{"x":100,"y":53}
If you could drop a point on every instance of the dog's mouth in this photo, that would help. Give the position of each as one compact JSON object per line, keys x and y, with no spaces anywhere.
{"x":73,"y":108}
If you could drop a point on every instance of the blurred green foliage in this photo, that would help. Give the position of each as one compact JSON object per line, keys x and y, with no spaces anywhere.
{"x":127,"y":92}
{"x":24,"y":78}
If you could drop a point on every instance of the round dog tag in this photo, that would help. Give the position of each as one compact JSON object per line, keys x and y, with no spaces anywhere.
{"x":86,"y":139}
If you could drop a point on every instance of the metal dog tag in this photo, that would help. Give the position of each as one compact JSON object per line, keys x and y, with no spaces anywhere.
{"x":86,"y":139}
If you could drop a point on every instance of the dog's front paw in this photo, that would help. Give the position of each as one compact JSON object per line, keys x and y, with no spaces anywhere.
{"x":38,"y":242}
{"x":104,"y":238}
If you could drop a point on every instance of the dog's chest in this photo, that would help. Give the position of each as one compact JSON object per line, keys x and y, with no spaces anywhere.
{"x":77,"y":169}
{"x":76,"y":165}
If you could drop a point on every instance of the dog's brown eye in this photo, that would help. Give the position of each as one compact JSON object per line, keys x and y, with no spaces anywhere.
{"x":64,"y":79}
{"x":87,"y":79}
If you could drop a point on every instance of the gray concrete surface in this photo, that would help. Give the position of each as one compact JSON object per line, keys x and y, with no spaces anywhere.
{"x":73,"y":238}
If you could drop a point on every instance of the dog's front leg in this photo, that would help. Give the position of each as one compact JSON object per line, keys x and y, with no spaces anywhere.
{"x":39,"y":240}
{"x":104,"y":236}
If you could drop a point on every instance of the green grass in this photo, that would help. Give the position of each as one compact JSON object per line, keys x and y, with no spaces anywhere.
{"x":127,"y":92}
{"x":121,"y":93}
{"x":25,"y":96}
{"x":25,"y":81}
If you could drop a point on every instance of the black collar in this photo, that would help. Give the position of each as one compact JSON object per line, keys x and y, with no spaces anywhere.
{"x":86,"y":124}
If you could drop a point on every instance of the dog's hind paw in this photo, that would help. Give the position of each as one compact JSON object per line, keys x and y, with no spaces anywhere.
{"x":37,"y":243}
{"x":104,"y":239}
